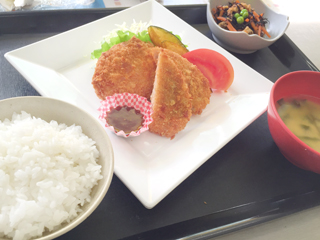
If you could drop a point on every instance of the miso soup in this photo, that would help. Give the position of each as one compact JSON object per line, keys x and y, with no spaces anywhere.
{"x":301,"y":115}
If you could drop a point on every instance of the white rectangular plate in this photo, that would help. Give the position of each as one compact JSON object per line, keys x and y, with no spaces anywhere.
{"x":149,"y":165}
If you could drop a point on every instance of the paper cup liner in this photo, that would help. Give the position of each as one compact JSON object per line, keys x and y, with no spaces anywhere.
{"x":130,"y":100}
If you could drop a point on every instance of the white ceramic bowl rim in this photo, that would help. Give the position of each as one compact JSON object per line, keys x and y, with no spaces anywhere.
{"x":241,"y":42}
{"x":272,"y":39}
{"x":18,"y":104}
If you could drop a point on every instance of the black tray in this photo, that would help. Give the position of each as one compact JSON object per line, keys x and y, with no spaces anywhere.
{"x":247,"y":182}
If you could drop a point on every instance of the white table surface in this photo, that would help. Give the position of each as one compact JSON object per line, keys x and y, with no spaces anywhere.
{"x":304,"y":28}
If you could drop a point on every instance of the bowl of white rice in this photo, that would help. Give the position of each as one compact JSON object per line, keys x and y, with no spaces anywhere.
{"x":56,"y":165}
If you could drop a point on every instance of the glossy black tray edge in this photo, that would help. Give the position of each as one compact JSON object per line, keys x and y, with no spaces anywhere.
{"x":218,"y":223}
{"x":63,"y":20}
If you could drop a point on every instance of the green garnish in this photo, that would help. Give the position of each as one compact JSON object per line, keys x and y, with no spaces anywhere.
{"x":122,"y":36}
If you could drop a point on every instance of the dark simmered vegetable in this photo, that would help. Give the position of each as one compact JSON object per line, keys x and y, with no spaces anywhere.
{"x":236,"y":16}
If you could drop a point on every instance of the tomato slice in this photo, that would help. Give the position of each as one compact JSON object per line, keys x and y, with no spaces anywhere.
{"x":214,"y":66}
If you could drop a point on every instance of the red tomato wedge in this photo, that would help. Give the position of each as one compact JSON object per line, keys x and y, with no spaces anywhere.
{"x":214,"y":66}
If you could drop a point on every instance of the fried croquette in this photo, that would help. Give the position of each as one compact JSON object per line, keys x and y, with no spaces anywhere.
{"x":126,"y":67}
{"x":171,"y":100}
{"x":198,"y":84}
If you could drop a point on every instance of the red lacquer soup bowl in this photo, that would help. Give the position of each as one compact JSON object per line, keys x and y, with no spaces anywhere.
{"x":293,"y":84}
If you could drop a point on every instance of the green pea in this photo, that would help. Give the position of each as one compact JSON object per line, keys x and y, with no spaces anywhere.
{"x":240,"y":20}
{"x":245,"y":15}
{"x":243,"y":11}
{"x":236,"y":15}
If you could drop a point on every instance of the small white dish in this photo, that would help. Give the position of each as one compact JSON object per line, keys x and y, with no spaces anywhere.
{"x":149,"y":165}
{"x":241,"y":42}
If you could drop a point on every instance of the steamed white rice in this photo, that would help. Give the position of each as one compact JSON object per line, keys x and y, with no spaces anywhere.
{"x":47,"y":171}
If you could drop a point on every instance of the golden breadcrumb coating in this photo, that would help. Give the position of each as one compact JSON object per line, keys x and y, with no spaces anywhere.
{"x":198,"y":84}
{"x":171,"y":101}
{"x":176,"y":87}
{"x":126,"y":67}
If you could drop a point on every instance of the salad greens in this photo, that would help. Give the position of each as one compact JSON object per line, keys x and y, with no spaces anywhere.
{"x":122,"y":36}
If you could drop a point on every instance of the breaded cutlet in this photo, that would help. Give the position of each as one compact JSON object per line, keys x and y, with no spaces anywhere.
{"x":125,"y":67}
{"x":171,"y":100}
{"x":198,"y":84}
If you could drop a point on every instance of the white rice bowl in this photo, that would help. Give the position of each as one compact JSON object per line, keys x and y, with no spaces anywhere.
{"x":53,"y":169}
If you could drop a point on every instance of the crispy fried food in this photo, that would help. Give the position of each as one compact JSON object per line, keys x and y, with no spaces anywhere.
{"x":171,"y":100}
{"x":126,"y":67}
{"x":178,"y":87}
{"x":198,"y":84}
